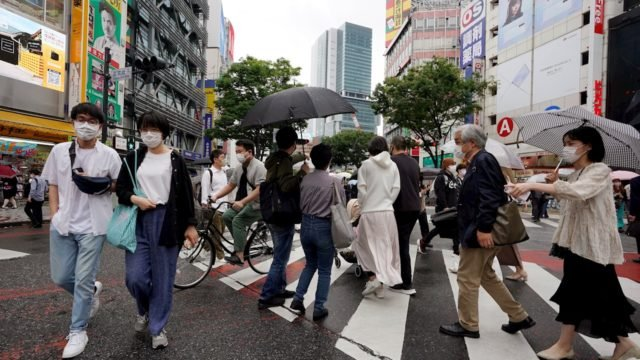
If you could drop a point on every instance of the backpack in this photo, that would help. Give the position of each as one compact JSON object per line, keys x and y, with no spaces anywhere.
{"x":199,"y":194}
{"x":278,"y":207}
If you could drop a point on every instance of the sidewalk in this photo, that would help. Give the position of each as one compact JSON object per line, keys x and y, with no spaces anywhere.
{"x":13,"y":217}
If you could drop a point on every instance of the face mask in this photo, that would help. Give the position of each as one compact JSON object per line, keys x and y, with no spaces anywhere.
{"x":152,"y":139}
{"x":458,"y":152}
{"x":569,"y":154}
{"x":86,"y":131}
{"x":241,"y":158}
{"x":451,"y":169}
{"x":462,"y":172}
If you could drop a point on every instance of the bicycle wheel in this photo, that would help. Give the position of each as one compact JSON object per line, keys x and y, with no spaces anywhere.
{"x":259,"y":249}
{"x":193,"y":265}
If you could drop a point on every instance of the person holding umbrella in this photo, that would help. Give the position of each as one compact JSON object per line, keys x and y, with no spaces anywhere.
{"x":590,"y":297}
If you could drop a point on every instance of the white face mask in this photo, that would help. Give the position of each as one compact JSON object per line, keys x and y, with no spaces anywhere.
{"x":452,"y":169}
{"x":569,"y":154}
{"x":462,"y":172}
{"x":152,"y":139}
{"x":86,"y":131}
{"x":241,"y":158}
{"x":458,"y":154}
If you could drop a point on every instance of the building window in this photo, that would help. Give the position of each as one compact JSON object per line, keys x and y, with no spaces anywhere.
{"x":586,"y":18}
{"x":441,"y":23}
{"x":50,"y":12}
{"x":494,"y":31}
{"x":431,"y":23}
{"x":585,"y":58}
{"x":493,"y":61}
{"x":583,"y":98}
{"x":493,"y":119}
{"x":143,"y":35}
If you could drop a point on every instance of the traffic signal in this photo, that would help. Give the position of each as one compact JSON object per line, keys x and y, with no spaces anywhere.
{"x":131,"y":143}
{"x":148,"y":66}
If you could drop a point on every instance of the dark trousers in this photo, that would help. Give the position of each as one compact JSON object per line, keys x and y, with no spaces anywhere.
{"x":405,"y":221}
{"x":33,"y":209}
{"x":424,"y":224}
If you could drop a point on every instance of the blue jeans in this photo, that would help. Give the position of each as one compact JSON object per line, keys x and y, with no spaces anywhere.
{"x":277,"y":278}
{"x":315,"y":236}
{"x":151,"y":270}
{"x":75,"y":260}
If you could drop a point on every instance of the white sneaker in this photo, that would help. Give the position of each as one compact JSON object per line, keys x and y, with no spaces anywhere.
{"x":371,"y":287}
{"x":160,"y":341}
{"x":379,"y":292}
{"x":454,"y":268}
{"x":95,"y":302}
{"x":142,"y":321}
{"x":400,"y":290}
{"x":75,"y":345}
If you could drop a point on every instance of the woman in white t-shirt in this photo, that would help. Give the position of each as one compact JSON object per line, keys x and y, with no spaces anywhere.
{"x":166,"y":217}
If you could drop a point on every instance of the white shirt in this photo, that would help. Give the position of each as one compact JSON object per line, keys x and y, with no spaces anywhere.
{"x":378,"y":183}
{"x":77,"y":210}
{"x":213,"y":180}
{"x":154,"y":176}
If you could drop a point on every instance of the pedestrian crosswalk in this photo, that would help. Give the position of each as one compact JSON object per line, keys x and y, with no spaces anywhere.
{"x":10,"y":254}
{"x":400,"y":326}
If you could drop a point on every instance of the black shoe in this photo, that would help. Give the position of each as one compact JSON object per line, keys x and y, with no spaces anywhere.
{"x":637,"y":261}
{"x":535,"y":220}
{"x":298,"y":306}
{"x":514,"y":327}
{"x":37,"y":226}
{"x":234,"y":259}
{"x":456,"y":329}
{"x":319,"y":315}
{"x":271,"y":302}
{"x":287,"y":294}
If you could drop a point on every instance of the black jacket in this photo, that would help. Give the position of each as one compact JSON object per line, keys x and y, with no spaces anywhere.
{"x":180,"y":209}
{"x":481,"y":195}
{"x":634,"y":200}
{"x":409,"y":197}
{"x":447,"y":187}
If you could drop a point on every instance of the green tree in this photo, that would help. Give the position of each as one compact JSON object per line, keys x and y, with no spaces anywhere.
{"x":429,"y":100}
{"x":349,"y":147}
{"x":240,"y":88}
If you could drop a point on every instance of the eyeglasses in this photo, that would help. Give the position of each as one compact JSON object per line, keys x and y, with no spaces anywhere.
{"x":88,"y":120}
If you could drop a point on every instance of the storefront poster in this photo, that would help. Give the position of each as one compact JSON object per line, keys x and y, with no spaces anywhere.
{"x":31,"y":52}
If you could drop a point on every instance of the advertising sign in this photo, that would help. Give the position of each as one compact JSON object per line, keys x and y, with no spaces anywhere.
{"x":397,"y":13}
{"x":556,"y":68}
{"x":31,"y":52}
{"x":207,"y":124}
{"x":596,"y":51}
{"x":505,"y":127}
{"x":514,"y":83}
{"x":515,"y":22}
{"x":550,"y":12}
{"x":472,"y":44}
{"x":232,"y":39}
{"x":473,"y":13}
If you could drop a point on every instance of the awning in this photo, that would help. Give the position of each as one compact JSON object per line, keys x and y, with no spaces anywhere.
{"x":34,"y":127}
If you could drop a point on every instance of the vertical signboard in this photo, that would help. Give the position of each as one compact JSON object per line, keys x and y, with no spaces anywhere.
{"x":596,"y":50}
{"x":96,"y":25}
{"x":397,"y":13}
{"x":210,"y":96}
{"x":232,"y":39}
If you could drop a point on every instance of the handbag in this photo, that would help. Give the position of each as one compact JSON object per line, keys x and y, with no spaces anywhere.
{"x":121,"y":231}
{"x":634,"y":229}
{"x":509,"y":228}
{"x":445,"y":216}
{"x":341,"y":228}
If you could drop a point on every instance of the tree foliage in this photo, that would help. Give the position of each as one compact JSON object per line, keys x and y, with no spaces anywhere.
{"x":429,"y":100}
{"x":349,"y":147}
{"x":240,"y":88}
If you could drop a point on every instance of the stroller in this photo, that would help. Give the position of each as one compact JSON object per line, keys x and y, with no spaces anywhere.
{"x":353,"y":209}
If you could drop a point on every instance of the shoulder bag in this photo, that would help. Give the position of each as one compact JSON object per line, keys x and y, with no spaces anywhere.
{"x":121,"y":232}
{"x":278,"y":207}
{"x":509,"y":228}
{"x":341,"y":229}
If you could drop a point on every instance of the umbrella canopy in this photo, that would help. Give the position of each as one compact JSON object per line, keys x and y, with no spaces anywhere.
{"x":545,"y":130}
{"x":297,"y":103}
{"x":6,"y":171}
{"x":623,"y":175}
{"x":504,"y":155}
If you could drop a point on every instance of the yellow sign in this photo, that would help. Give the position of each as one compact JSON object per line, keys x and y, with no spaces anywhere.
{"x":210,"y":95}
{"x":35,"y":128}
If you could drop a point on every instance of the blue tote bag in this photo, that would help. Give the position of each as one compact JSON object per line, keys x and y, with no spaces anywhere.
{"x":121,"y":232}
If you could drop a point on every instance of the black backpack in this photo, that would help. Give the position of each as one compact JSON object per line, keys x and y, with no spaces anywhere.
{"x":278,"y":207}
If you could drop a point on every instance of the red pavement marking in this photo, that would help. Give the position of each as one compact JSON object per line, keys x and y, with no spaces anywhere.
{"x":40,"y":349}
{"x":14,"y":234}
{"x":12,"y":294}
{"x":628,"y":270}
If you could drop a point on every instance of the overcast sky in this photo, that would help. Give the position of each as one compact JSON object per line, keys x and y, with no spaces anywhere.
{"x":288,"y":28}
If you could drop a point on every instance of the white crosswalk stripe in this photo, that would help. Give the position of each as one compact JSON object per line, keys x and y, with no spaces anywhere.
{"x":10,"y":254}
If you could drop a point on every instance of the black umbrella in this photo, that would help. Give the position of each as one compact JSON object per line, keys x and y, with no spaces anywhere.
{"x":297,"y":103}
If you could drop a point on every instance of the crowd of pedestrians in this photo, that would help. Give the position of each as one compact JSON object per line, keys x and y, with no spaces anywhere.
{"x":390,"y":200}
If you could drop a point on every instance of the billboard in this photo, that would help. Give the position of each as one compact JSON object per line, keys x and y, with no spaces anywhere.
{"x":550,"y":12}
{"x":556,"y":68}
{"x":96,"y":25}
{"x":514,"y":83}
{"x":397,"y":13}
{"x":232,"y":39}
{"x":515,"y":22}
{"x":31,"y":52}
{"x":472,"y":44}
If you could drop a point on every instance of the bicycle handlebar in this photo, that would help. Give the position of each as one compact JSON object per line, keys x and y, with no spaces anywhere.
{"x":218,"y":204}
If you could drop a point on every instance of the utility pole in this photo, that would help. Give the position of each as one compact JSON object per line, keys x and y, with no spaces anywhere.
{"x":105,"y":91}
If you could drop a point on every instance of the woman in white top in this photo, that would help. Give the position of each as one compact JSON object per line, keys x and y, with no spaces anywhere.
{"x":590,"y":297}
{"x":377,"y":246}
{"x":166,"y":217}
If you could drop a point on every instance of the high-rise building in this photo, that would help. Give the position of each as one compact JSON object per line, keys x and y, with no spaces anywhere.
{"x":341,"y":61}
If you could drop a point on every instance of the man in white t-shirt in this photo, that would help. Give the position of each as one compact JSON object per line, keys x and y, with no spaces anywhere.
{"x":79,"y":218}
{"x":213,"y":180}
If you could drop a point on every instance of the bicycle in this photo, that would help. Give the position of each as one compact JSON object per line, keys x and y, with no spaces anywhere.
{"x":196,"y":262}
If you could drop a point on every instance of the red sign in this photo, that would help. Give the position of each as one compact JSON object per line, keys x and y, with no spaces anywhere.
{"x":505,"y":126}
{"x":415,"y":151}
{"x":598,"y":26}
{"x":597,"y":97}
